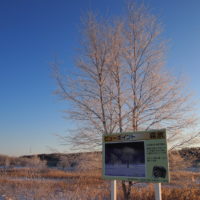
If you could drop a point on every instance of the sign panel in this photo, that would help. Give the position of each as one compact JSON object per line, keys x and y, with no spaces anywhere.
{"x":139,"y":156}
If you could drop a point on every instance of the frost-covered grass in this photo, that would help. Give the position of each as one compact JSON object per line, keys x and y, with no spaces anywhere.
{"x":53,"y":184}
{"x":50,"y":184}
{"x":32,"y":180}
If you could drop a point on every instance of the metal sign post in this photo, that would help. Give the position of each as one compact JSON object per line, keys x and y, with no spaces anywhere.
{"x":158,"y":193}
{"x":113,"y":190}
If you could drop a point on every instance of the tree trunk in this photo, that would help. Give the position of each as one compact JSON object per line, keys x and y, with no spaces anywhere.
{"x":127,"y":164}
{"x":127,"y":190}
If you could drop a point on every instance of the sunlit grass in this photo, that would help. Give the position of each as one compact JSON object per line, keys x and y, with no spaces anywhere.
{"x":57,"y":184}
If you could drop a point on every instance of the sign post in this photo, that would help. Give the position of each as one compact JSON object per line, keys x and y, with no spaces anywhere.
{"x":157,"y":187}
{"x":113,"y":190}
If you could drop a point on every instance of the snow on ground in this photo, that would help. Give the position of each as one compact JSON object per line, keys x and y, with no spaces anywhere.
{"x":122,"y":170}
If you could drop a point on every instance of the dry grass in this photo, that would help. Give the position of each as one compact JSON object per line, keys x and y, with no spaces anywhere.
{"x":48,"y":173}
{"x":167,"y":193}
{"x":51,"y":184}
{"x":57,"y":185}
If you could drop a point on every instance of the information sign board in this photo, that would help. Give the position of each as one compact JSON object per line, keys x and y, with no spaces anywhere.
{"x":139,"y":156}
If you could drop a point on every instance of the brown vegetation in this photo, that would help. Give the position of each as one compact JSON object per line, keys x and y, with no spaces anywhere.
{"x":56,"y":184}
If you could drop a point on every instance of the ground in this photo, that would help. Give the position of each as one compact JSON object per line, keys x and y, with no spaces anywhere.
{"x":54,"y":184}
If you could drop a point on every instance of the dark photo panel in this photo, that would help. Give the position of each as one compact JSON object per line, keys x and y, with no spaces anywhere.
{"x":125,"y":159}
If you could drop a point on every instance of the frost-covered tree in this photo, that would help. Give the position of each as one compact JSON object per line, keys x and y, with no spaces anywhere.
{"x":121,"y":84}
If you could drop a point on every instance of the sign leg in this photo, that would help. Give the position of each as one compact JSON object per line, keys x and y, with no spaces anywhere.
{"x":158,"y":194}
{"x":113,"y":190}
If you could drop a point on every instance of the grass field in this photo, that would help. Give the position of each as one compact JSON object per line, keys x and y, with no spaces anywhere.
{"x":54,"y":184}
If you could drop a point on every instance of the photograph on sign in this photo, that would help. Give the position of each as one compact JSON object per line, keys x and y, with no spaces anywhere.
{"x":139,"y":156}
{"x":125,"y":159}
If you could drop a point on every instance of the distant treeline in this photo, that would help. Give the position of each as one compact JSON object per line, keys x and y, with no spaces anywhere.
{"x":55,"y":159}
{"x":73,"y":159}
{"x":191,"y":154}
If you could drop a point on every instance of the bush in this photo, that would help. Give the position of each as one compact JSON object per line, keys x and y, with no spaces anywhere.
{"x":177,"y":162}
{"x":33,"y":162}
{"x":5,"y":161}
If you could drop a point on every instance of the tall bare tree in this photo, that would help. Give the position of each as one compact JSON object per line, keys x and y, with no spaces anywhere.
{"x":121,"y":84}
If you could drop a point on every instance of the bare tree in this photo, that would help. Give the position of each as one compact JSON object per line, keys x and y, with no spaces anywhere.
{"x":121,"y":84}
{"x":128,"y":155}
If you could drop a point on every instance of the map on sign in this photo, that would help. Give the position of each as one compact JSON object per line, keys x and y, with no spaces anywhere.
{"x":139,"y":156}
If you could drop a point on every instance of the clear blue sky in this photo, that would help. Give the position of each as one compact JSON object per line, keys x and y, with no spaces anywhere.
{"x":32,"y":32}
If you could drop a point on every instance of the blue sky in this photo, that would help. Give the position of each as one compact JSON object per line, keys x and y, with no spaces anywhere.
{"x":33,"y":32}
